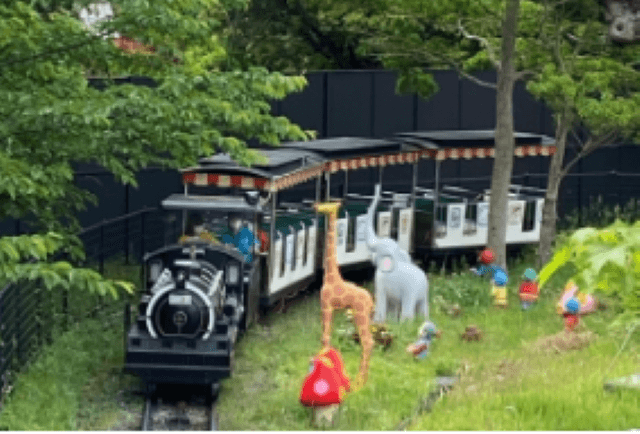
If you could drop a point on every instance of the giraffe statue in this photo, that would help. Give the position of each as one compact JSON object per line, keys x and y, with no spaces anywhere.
{"x":337,"y":293}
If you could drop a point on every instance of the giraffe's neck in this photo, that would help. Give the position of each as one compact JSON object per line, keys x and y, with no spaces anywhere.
{"x":330,"y":258}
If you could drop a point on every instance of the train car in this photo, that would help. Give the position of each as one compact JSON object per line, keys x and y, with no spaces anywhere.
{"x":200,"y":294}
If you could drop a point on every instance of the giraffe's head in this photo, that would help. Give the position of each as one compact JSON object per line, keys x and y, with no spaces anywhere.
{"x":328,"y":207}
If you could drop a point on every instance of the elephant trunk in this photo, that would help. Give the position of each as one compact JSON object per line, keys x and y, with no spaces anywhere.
{"x":372,"y":238}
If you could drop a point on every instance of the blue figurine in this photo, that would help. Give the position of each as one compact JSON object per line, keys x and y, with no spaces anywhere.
{"x":243,"y":239}
{"x":420,"y":349}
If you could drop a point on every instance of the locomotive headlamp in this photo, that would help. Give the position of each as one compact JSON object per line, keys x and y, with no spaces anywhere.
{"x":155,"y":269}
{"x":233,"y":274}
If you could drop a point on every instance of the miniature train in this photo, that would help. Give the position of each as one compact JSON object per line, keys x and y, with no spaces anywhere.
{"x":202,"y":294}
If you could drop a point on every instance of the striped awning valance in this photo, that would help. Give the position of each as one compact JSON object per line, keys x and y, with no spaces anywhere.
{"x":431,"y":154}
{"x":298,"y":177}
{"x":205,"y":179}
{"x":252,"y":183}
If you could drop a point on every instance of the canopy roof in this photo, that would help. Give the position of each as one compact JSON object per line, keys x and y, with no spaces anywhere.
{"x":297,"y":162}
{"x":472,"y":138}
{"x":345,"y":147}
{"x":280,"y":161}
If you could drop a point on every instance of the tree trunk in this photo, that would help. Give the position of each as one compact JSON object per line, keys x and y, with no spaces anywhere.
{"x":549,"y":217}
{"x":504,"y":147}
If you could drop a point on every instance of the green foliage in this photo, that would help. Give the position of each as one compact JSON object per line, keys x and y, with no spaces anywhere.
{"x":51,"y":120}
{"x":48,"y":395}
{"x":606,"y":260}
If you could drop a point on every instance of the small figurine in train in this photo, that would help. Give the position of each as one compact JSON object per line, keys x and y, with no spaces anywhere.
{"x":242,"y":238}
{"x":499,"y":277}
{"x":420,"y":349}
{"x":528,"y":289}
{"x":571,"y":314}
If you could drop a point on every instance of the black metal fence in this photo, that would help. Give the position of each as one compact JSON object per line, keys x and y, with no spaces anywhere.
{"x":31,"y":316}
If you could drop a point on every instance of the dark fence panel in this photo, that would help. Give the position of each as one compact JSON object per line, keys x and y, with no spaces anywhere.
{"x":527,"y":112}
{"x":349,"y":104}
{"x":478,"y":103}
{"x":392,"y":113}
{"x":442,"y":111}
{"x":308,"y":108}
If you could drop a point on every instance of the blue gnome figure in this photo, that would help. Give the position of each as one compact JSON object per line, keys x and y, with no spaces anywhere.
{"x":420,"y":349}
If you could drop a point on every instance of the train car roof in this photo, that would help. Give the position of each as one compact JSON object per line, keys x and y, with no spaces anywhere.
{"x":211,"y":203}
{"x":472,"y":138}
{"x":346,"y":147}
{"x":280,"y":161}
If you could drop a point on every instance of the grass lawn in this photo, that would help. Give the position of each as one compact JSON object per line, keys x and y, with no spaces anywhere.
{"x":76,"y":383}
{"x":507,"y":383}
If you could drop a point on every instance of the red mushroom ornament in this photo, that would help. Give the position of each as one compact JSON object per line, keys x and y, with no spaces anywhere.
{"x":322,"y":390}
{"x":338,"y":365}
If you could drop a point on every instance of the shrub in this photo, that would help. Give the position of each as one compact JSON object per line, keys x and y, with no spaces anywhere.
{"x":606,"y":260}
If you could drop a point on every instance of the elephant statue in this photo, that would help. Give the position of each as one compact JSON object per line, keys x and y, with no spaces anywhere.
{"x":397,"y":279}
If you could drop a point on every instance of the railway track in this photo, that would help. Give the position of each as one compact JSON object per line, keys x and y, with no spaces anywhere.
{"x":181,"y":408}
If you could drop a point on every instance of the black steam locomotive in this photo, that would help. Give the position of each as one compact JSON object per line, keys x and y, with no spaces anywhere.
{"x":200,"y":296}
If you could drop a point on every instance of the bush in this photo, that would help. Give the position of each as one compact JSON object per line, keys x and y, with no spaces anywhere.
{"x":606,"y":261}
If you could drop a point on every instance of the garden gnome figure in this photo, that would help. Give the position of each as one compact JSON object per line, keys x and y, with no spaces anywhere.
{"x":420,"y":349}
{"x":571,"y":314}
{"x":528,"y":289}
{"x":499,"y":277}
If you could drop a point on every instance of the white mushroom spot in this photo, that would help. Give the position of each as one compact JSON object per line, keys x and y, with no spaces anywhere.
{"x":321,"y":387}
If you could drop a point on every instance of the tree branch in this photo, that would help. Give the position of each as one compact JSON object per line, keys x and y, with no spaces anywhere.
{"x":521,"y":75}
{"x":591,"y":145}
{"x":443,"y":61}
{"x":483,"y":42}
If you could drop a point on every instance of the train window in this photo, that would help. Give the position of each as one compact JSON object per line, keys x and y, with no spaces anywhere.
{"x":440,"y":221}
{"x":471,"y":216}
{"x":529,"y":216}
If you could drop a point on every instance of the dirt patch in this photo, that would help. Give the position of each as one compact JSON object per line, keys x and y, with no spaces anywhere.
{"x":563,"y":342}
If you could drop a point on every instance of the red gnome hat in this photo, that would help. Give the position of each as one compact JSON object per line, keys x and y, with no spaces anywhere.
{"x":335,"y":357}
{"x":487,"y":256}
{"x":322,"y":385}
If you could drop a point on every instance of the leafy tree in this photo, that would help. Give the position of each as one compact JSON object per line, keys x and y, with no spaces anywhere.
{"x":302,"y":35}
{"x":466,"y":35}
{"x":606,"y":260}
{"x":561,"y":50}
{"x":50,"y":118}
{"x":590,"y":84}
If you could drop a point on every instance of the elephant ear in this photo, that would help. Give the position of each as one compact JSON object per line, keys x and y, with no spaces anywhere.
{"x":386,"y":263}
